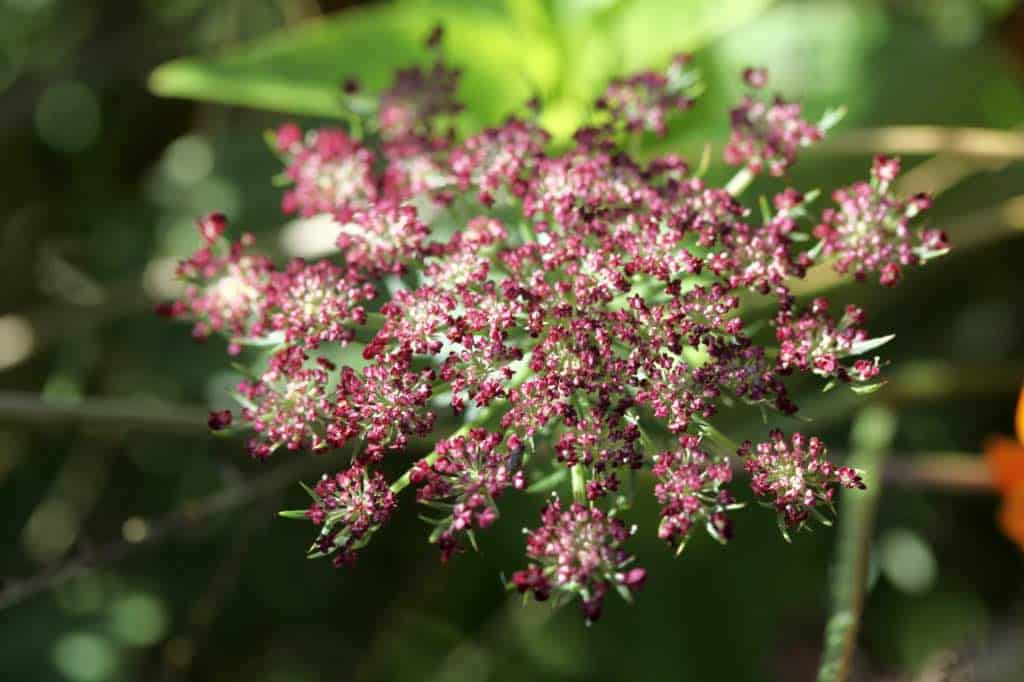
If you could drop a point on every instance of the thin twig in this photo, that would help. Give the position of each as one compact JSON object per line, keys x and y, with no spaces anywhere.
{"x":222,"y":583}
{"x":119,"y":414}
{"x":187,"y":515}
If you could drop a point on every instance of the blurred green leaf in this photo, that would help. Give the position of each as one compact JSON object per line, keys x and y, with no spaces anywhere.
{"x":508,"y":53}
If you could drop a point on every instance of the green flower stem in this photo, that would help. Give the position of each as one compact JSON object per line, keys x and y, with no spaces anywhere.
{"x":726,"y":445}
{"x":114,"y":414}
{"x":579,"y":484}
{"x":872,"y":435}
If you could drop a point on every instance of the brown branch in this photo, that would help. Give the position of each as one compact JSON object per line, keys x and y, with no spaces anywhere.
{"x":924,"y":139}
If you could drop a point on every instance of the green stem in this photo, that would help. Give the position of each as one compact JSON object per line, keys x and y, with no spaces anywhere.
{"x":115,"y":414}
{"x":579,"y":484}
{"x":872,"y":435}
{"x":726,"y":445}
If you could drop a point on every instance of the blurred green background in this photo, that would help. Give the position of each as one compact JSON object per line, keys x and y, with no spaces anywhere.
{"x":137,"y":547}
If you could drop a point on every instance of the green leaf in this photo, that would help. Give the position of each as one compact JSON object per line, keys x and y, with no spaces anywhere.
{"x":310,"y":491}
{"x":624,"y":592}
{"x":508,"y":51}
{"x":651,"y":31}
{"x":268,"y":341}
{"x":244,"y":402}
{"x":299,"y":70}
{"x":867,"y":345}
{"x":549,"y":482}
{"x":831,"y":118}
{"x":866,"y":389}
{"x":298,"y":514}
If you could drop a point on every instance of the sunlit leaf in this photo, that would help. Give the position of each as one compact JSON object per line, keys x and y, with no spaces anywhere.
{"x":508,"y":53}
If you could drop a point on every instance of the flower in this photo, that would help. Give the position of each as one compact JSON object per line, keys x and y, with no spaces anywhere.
{"x":604,"y":443}
{"x":316,"y":303}
{"x":644,"y":101}
{"x":499,"y":158}
{"x":578,"y":553}
{"x":466,"y":479}
{"x":795,"y":476}
{"x":689,"y":490}
{"x":349,"y":507}
{"x":226,"y":285}
{"x":331,"y":172}
{"x":417,"y":97}
{"x":381,"y":239}
{"x":767,"y":135}
{"x":1019,"y":420}
{"x":811,"y":340}
{"x":871,"y":230}
{"x":504,"y":297}
{"x":1005,"y":459}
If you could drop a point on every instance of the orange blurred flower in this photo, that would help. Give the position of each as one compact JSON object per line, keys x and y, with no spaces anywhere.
{"x":1011,"y":515}
{"x":1005,"y":457}
{"x":1020,"y":416}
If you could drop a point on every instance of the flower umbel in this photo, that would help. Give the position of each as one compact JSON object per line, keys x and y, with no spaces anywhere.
{"x":465,"y":481}
{"x":542,"y":318}
{"x":349,"y":507}
{"x":795,"y":477}
{"x":578,"y":553}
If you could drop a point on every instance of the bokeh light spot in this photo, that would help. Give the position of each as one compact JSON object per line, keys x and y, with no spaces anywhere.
{"x":85,"y":656}
{"x":188,"y":159}
{"x":17,"y":340}
{"x":134,"y":529}
{"x":138,"y":620}
{"x":907,"y":561}
{"x":67,"y":116}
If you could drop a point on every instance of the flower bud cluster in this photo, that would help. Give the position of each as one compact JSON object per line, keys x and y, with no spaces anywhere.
{"x":870,"y":231}
{"x":575,"y":304}
{"x":578,"y":553}
{"x":767,"y":135}
{"x":794,"y":476}
{"x":645,"y":101}
{"x":465,"y":480}
{"x":349,"y":507}
{"x":811,"y":340}
{"x":690,"y":491}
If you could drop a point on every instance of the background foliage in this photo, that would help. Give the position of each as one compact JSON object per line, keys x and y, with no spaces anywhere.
{"x":102,"y":430}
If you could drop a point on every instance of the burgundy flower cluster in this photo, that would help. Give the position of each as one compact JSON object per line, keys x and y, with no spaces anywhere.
{"x":811,"y":340}
{"x":464,"y":481}
{"x":768,"y":135}
{"x":689,"y":490}
{"x":577,"y":552}
{"x":645,"y":101}
{"x":795,"y":475}
{"x":871,"y":231}
{"x":349,"y":506}
{"x":528,"y":309}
